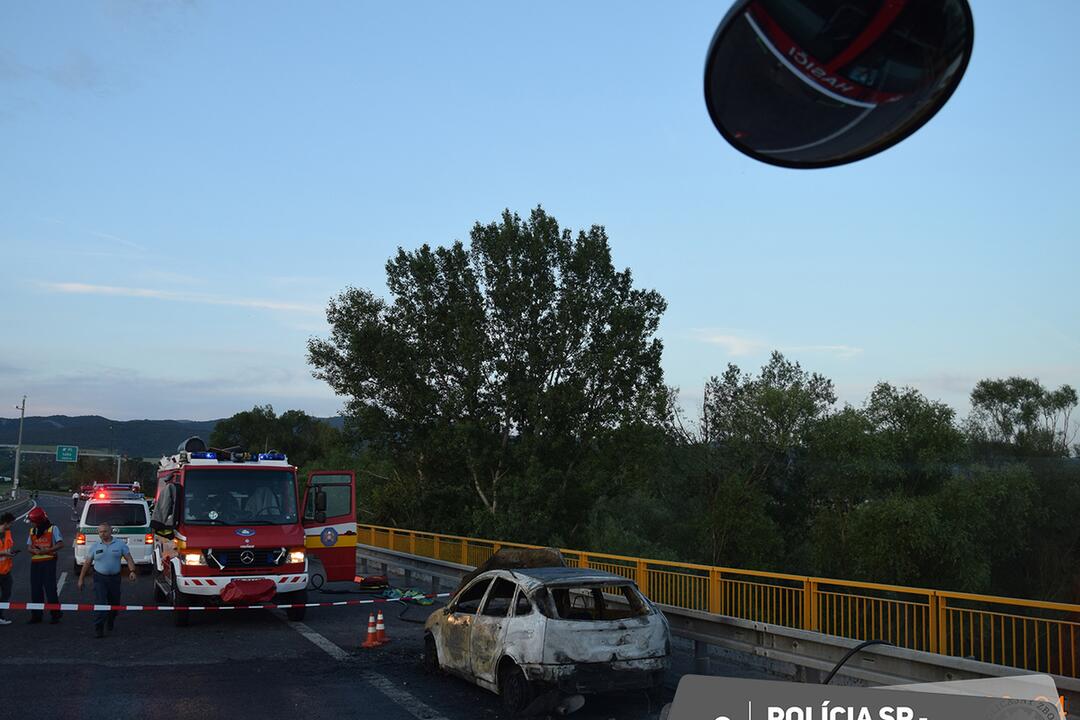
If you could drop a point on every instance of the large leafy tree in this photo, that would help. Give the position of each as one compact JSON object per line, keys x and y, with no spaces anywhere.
{"x":1022,"y":415}
{"x":493,"y":366}
{"x":754,"y":430}
{"x":920,"y":436}
{"x":300,"y":436}
{"x":762,"y":421}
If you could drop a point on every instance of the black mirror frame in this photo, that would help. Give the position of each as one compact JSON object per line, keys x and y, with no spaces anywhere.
{"x":736,"y":12}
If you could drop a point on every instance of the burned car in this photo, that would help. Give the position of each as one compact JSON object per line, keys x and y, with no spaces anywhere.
{"x":527,"y":632}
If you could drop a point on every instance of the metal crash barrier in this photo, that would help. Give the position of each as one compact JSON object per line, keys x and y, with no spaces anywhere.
{"x":1023,"y":634}
{"x":810,"y":653}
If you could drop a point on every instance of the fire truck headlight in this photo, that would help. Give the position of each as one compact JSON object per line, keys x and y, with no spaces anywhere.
{"x":194,"y":558}
{"x":296,"y":556}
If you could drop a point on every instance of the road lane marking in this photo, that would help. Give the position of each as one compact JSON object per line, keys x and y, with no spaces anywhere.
{"x":405,"y":700}
{"x":320,"y":641}
{"x":82,"y":662}
{"x":60,"y":585}
{"x":402,"y":698}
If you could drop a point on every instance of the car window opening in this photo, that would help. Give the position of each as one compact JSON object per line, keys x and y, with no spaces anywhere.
{"x":522,"y":606}
{"x":116,"y":514}
{"x":591,"y":602}
{"x":498,"y":600}
{"x":469,"y":601}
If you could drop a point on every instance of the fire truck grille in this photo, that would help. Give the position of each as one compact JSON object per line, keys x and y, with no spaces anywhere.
{"x":244,"y":559}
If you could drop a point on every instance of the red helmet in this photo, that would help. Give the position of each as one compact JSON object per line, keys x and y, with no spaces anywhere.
{"x":37,"y":516}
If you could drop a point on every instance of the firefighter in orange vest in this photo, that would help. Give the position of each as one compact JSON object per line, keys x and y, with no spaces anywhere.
{"x":6,"y":553}
{"x":44,"y":543}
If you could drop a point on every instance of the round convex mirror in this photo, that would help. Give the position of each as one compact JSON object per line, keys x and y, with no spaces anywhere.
{"x":818,"y":83}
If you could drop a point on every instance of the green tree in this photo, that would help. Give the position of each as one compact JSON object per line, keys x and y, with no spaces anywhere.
{"x":921,"y":437}
{"x":845,"y":462}
{"x":988,"y":513}
{"x":494,"y":366}
{"x":35,"y":473}
{"x":754,"y":430}
{"x":89,"y":469}
{"x":1021,"y":415}
{"x":760,"y":421}
{"x":300,"y":436}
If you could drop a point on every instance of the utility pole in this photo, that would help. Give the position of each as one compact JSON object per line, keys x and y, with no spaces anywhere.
{"x":18,"y":448}
{"x":112,"y":436}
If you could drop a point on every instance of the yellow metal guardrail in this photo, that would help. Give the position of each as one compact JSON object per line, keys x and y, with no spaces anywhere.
{"x":1026,"y":634}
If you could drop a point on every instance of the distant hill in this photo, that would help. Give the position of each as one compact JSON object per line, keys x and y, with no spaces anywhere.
{"x":135,"y":438}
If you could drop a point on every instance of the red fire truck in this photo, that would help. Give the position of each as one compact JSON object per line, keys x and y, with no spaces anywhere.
{"x":231,"y":528}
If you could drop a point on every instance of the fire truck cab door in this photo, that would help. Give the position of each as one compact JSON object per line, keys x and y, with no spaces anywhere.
{"x":330,"y":523}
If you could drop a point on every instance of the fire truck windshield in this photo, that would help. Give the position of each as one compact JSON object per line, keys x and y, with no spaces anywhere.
{"x":240,"y":497}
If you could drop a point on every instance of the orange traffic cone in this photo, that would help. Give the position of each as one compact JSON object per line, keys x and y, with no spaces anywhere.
{"x":370,"y":641}
{"x":380,"y":631}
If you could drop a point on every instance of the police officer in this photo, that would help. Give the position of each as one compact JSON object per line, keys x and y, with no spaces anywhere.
{"x":105,"y":555}
{"x":44,"y":542}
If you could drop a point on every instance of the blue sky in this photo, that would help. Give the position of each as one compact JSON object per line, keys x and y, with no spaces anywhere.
{"x":186,"y":184}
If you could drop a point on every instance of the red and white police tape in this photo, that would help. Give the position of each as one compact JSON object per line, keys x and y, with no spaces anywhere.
{"x":85,"y":607}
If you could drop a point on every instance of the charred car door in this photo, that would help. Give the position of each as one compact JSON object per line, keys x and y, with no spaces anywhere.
{"x":489,"y":630}
{"x":455,"y":631}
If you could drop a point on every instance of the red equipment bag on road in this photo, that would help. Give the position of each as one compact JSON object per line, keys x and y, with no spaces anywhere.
{"x":248,"y":592}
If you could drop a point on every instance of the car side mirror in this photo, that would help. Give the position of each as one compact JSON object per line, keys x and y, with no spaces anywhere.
{"x":320,"y":501}
{"x":320,"y":516}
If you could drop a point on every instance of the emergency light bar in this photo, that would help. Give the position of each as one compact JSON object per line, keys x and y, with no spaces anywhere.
{"x":194,"y":451}
{"x":116,"y":495}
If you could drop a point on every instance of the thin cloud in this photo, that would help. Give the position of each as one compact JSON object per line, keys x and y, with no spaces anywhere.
{"x":78,"y":71}
{"x":943,"y":383}
{"x":840,"y":351}
{"x":8,"y":369}
{"x":10,"y":68}
{"x":157,"y":277}
{"x":126,"y":393}
{"x":113,"y":241}
{"x":108,"y":254}
{"x":127,"y":11}
{"x":733,"y":344}
{"x":122,"y":241}
{"x":741,"y":346}
{"x":148,"y":293}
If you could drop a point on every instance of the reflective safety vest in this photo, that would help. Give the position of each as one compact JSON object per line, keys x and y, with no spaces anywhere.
{"x":5,"y":544}
{"x":38,"y":543}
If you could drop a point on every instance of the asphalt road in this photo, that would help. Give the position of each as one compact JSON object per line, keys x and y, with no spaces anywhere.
{"x":244,"y":663}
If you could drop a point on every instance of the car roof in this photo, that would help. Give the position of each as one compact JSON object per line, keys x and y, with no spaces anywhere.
{"x":533,"y":578}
